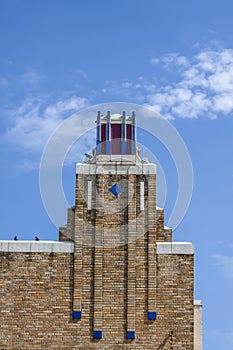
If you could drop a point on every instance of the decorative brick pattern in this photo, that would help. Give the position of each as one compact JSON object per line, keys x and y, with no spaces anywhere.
{"x":131,"y":251}
{"x":36,"y":302}
{"x":78,"y":247}
{"x":128,"y":295}
{"x":98,"y":266}
{"x":151,"y":245}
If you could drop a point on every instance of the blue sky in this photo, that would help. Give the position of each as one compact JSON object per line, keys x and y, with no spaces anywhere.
{"x":176,"y":57}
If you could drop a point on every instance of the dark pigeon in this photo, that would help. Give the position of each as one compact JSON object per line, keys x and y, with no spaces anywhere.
{"x":88,"y":155}
{"x":36,"y":238}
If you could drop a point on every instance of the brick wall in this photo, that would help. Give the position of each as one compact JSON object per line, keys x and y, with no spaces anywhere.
{"x":119,"y":270}
{"x":36,"y":301}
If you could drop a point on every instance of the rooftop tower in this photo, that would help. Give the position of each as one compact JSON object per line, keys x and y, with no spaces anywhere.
{"x":115,"y":280}
{"x":131,"y":282}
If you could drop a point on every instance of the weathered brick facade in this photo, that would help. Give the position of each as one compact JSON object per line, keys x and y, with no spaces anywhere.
{"x":121,"y":284}
{"x":36,"y":302}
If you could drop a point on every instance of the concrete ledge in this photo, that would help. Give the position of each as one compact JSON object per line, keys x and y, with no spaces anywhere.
{"x":36,"y":247}
{"x":175,"y":248}
{"x":116,"y":167}
{"x":68,"y":247}
{"x":82,"y":168}
{"x":158,"y":208}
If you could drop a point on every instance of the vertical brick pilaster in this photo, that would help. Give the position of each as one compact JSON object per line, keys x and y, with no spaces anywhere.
{"x":98,"y":279}
{"x":98,"y":263}
{"x":78,"y":249}
{"x":151,"y":247}
{"x":131,"y":254}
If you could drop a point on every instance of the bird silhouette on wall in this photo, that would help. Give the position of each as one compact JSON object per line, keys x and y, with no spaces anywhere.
{"x":36,"y":238}
{"x":15,"y":238}
{"x":88,"y":155}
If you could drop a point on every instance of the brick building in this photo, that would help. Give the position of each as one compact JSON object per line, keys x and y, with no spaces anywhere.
{"x":115,"y":279}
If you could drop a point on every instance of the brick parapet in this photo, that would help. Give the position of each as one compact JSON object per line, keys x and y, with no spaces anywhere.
{"x":121,"y":265}
{"x":36,"y":302}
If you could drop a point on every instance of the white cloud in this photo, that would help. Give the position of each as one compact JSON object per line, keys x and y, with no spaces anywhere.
{"x":223,"y":103}
{"x":225,"y":263}
{"x":113,"y":87}
{"x":154,"y":61}
{"x":204,"y":88}
{"x":171,"y":59}
{"x":126,"y":85}
{"x":29,"y":79}
{"x":201,"y":86}
{"x":34,"y":121}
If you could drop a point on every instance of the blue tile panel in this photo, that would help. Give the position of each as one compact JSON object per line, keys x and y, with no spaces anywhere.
{"x":130,"y":335}
{"x":77,"y":315}
{"x":115,"y":189}
{"x":151,"y":316}
{"x":97,"y":334}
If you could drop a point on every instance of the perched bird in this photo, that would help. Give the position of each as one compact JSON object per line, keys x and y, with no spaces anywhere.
{"x":15,"y":238}
{"x":88,"y":155}
{"x":36,"y":238}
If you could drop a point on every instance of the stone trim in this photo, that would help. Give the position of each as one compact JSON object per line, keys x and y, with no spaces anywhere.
{"x":198,"y":325}
{"x":36,"y":247}
{"x":175,"y":248}
{"x":68,"y":247}
{"x":116,"y":168}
